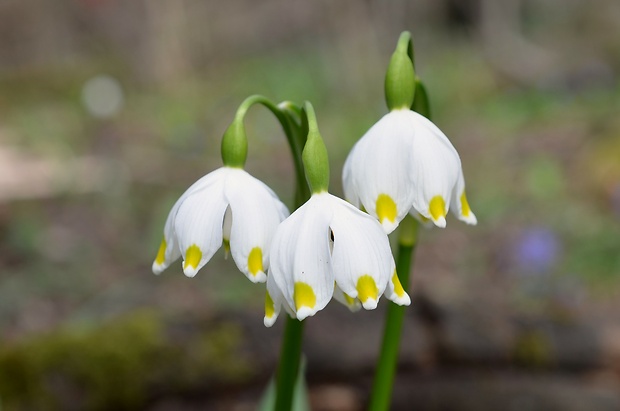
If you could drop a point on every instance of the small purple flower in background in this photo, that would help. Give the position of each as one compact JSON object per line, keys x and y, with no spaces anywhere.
{"x":536,"y":250}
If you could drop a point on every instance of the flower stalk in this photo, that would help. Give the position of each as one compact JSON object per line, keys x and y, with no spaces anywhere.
{"x":290,"y":360}
{"x":388,"y":359}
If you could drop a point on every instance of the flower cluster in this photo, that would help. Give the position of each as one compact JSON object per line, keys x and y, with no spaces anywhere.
{"x":328,"y":248}
{"x":403,"y":167}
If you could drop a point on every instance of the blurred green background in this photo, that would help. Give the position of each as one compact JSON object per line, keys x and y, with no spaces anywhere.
{"x":110,"y":109}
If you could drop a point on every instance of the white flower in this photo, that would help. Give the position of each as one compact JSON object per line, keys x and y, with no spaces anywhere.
{"x":329,"y":248}
{"x":226,"y":206}
{"x":403,"y":164}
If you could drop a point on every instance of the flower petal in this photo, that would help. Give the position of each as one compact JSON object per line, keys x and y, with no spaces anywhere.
{"x":362,"y":256}
{"x":459,"y":203}
{"x":256,"y":214}
{"x":198,"y":224}
{"x":348,"y":185}
{"x":377,"y":170}
{"x":351,"y":303}
{"x":273,"y":302}
{"x":435,"y":169}
{"x":169,"y":250}
{"x":300,"y":258}
{"x":282,"y":208}
{"x":396,"y":292}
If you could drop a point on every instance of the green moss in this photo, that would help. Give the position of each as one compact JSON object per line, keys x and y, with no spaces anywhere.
{"x":103,"y":368}
{"x":216,"y":355}
{"x":118,"y":364}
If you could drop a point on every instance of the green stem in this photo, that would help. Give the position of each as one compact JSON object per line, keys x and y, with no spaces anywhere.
{"x":388,"y":359}
{"x":297,"y":140}
{"x":290,"y":359}
{"x":286,"y":114}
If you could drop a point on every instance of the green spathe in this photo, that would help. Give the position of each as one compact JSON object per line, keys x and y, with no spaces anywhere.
{"x":314,"y":156}
{"x":235,"y":144}
{"x":420,"y":103}
{"x":400,"y":81}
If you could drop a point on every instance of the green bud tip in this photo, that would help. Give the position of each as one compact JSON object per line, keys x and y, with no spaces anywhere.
{"x":400,"y":81}
{"x":314,"y":156}
{"x":235,"y":144}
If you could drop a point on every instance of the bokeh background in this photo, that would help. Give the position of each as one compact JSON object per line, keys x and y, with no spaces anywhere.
{"x":110,"y":109}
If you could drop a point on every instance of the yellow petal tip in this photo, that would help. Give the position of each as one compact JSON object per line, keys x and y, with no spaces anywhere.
{"x":305,"y":300}
{"x":400,"y":297}
{"x":161,"y":253}
{"x":255,"y":266}
{"x":437,"y":210}
{"x":466,"y":213}
{"x":386,"y":208}
{"x":398,"y":287}
{"x":367,"y":291}
{"x":270,"y":311}
{"x":465,"y":209}
{"x":193,"y":256}
{"x":255,"y":261}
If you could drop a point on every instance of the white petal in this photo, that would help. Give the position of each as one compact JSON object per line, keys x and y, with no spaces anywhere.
{"x":349,"y":188}
{"x":255,"y":216}
{"x":352,"y":304}
{"x":435,"y":169}
{"x":277,"y":302}
{"x":362,"y":256}
{"x":300,"y":258}
{"x":198,"y":224}
{"x":377,"y":170}
{"x":171,"y":250}
{"x":396,"y":292}
{"x":273,"y":302}
{"x":459,"y":204}
{"x":282,"y":208}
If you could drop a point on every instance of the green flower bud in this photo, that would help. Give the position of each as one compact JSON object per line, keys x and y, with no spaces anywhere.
{"x":314,"y":156}
{"x":400,"y":81}
{"x":235,"y":144}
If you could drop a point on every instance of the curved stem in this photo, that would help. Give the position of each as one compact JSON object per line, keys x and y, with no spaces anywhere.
{"x":286,"y":114}
{"x":297,"y":139}
{"x":388,"y":359}
{"x":294,"y":123}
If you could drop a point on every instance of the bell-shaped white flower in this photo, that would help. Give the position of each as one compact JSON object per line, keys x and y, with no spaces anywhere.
{"x":328,"y":248}
{"x":403,"y":164}
{"x":226,"y":206}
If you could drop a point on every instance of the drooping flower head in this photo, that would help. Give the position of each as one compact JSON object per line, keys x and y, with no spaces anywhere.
{"x":227,"y":206}
{"x":328,"y":248}
{"x":404,"y":163}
